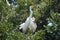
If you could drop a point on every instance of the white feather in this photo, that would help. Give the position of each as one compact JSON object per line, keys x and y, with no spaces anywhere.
{"x":50,"y":24}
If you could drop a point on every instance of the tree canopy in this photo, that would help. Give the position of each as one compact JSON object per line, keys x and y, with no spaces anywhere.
{"x":15,"y":14}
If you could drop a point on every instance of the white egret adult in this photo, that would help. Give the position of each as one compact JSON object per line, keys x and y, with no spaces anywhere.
{"x":29,"y":23}
{"x":24,"y":26}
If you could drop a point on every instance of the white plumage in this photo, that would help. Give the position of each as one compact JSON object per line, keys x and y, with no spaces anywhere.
{"x":29,"y":23}
{"x":7,"y":2}
{"x":50,"y":24}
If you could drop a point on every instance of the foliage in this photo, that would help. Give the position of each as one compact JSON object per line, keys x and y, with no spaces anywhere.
{"x":11,"y":17}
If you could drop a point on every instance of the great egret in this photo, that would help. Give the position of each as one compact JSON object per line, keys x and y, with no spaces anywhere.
{"x":32,"y":26}
{"x":24,"y":26}
{"x":29,"y":23}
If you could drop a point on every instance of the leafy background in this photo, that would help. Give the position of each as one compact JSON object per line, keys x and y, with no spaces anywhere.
{"x":11,"y":17}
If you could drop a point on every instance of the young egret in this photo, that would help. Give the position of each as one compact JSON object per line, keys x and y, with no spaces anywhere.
{"x":32,"y":25}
